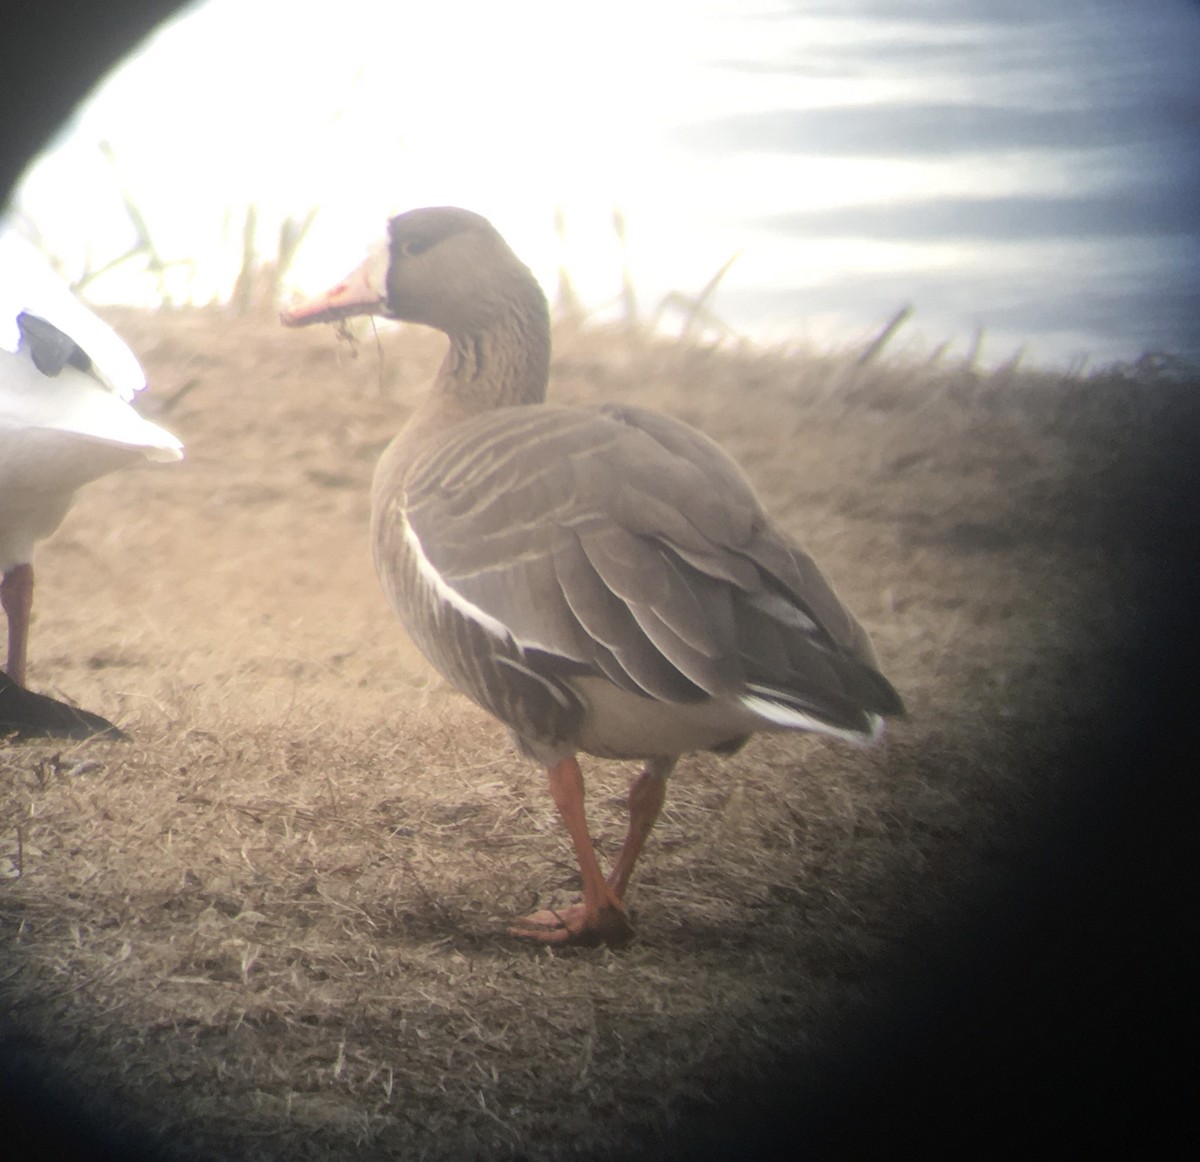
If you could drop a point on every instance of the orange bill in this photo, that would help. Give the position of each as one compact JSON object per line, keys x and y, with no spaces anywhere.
{"x":362,"y":292}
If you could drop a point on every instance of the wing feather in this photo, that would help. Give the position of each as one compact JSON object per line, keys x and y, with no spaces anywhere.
{"x":625,"y":544}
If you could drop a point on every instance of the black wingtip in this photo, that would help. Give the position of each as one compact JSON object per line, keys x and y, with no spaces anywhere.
{"x":50,"y":348}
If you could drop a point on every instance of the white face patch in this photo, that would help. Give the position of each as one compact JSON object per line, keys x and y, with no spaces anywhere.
{"x":375,"y":269}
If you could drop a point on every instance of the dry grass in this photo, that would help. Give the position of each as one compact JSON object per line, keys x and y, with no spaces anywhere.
{"x":271,"y":926}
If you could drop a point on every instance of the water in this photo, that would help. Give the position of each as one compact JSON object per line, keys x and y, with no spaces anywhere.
{"x":1030,"y":169}
{"x":1060,"y":150}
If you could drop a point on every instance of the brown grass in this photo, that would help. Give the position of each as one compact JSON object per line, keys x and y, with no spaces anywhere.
{"x":271,"y":926}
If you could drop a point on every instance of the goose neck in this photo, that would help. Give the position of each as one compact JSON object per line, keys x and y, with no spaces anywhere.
{"x":503,"y":362}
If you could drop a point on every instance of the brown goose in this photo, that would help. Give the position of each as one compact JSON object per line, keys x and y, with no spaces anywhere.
{"x":601,"y":580}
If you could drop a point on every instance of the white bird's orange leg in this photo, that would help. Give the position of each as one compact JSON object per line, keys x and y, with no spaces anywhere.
{"x":601,"y":917}
{"x":16,"y":596}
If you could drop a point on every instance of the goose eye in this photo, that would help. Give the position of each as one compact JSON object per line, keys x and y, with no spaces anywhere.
{"x":411,"y":247}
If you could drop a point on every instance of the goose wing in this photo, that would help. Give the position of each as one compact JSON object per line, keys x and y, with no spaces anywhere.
{"x":621,"y":543}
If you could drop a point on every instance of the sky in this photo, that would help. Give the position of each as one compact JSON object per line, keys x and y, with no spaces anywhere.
{"x":1023,"y":166}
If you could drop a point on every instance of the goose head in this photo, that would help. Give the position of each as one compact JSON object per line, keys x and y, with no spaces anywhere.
{"x":450,"y":269}
{"x":441,"y":266}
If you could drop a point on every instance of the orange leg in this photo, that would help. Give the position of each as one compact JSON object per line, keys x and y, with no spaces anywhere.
{"x":16,"y":596}
{"x":601,"y":917}
{"x":646,"y":797}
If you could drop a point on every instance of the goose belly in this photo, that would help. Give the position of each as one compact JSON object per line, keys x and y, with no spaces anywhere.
{"x":618,"y":724}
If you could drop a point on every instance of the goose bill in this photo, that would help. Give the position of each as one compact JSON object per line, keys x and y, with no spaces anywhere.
{"x":362,"y":292}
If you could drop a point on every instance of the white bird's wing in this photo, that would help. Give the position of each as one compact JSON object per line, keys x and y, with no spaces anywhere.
{"x":28,"y":285}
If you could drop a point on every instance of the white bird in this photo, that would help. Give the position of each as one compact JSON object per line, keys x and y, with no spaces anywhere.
{"x":66,"y":382}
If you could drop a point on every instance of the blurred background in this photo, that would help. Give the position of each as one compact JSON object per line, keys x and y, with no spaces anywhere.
{"x":1025,"y":176}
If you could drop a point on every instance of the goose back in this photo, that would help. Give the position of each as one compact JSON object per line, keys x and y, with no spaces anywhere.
{"x":537,"y":553}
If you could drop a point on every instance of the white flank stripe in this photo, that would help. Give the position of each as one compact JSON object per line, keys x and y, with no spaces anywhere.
{"x":550,"y":688}
{"x":445,"y":592}
{"x":791,"y":719}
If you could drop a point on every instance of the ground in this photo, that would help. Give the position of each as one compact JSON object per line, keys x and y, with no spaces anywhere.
{"x":271,"y":925}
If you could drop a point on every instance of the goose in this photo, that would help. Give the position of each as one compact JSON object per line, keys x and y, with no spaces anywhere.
{"x":601,"y":580}
{"x":66,"y":382}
